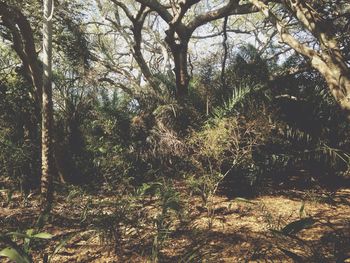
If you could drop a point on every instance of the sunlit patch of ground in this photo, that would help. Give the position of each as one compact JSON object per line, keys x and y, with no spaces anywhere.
{"x":240,"y":231}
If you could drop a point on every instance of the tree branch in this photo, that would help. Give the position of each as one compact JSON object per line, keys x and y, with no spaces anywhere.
{"x":159,"y":8}
{"x":231,"y":8}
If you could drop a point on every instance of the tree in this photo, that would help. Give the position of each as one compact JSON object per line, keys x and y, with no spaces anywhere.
{"x":21,"y":34}
{"x":327,"y":57}
{"x":179,"y":31}
{"x":47,"y":110}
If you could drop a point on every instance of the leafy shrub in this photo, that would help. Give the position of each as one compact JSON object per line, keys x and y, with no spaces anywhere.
{"x":226,"y":145}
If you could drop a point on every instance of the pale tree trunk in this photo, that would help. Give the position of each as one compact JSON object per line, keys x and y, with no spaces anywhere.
{"x":337,"y":77}
{"x":23,"y":44}
{"x":137,"y":53}
{"x":328,"y":60}
{"x":47,"y":111}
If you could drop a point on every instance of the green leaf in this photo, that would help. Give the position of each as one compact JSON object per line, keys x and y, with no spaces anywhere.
{"x":30,"y":232}
{"x":302,"y":210}
{"x":62,"y":243}
{"x":151,"y":189}
{"x":43,"y":235}
{"x":102,"y":150}
{"x":29,"y":235}
{"x":239,"y":199}
{"x":297,"y":226}
{"x":292,"y":255}
{"x":13,"y":255}
{"x":17,"y":234}
{"x":174,"y":205}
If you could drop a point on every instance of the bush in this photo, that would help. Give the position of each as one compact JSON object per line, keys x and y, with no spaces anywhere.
{"x":227,"y":145}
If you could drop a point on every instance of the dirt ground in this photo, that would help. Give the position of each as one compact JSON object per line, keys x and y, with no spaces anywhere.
{"x":241,"y":230}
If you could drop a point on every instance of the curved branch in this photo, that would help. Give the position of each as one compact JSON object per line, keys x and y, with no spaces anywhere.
{"x":231,"y":8}
{"x":23,"y":43}
{"x":159,"y":8}
{"x":125,"y":9}
{"x":236,"y":31}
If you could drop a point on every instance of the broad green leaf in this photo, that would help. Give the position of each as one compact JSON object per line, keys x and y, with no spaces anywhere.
{"x":102,"y":150}
{"x":17,"y":234}
{"x":297,"y":226}
{"x":43,"y":235}
{"x":292,"y":255}
{"x":174,"y":205}
{"x":239,"y":199}
{"x":13,"y":255}
{"x":151,"y":189}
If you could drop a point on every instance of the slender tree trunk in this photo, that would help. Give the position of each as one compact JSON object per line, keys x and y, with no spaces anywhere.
{"x":137,"y":33}
{"x":47,"y":111}
{"x":224,"y":59}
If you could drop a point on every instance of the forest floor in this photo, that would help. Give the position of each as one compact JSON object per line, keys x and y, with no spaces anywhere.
{"x":240,"y":230}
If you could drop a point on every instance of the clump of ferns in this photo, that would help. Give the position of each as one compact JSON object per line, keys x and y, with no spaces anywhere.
{"x":206,"y":187}
{"x":300,"y":146}
{"x":117,"y":221}
{"x":165,"y":140}
{"x":169,"y":208}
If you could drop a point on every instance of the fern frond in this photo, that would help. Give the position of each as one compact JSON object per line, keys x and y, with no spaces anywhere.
{"x":241,"y":94}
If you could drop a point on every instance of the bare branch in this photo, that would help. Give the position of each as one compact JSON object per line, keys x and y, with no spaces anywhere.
{"x":236,"y":31}
{"x":125,"y":9}
{"x":159,"y":8}
{"x":232,"y":8}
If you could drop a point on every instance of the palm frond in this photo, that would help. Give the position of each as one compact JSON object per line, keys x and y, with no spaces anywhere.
{"x":241,"y":94}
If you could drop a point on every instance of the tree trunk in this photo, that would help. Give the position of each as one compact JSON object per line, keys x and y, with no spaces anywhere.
{"x":179,"y":50}
{"x":47,"y":111}
{"x":137,"y":33}
{"x":329,"y":60}
{"x":181,"y":72}
{"x":337,"y":77}
{"x":23,"y":44}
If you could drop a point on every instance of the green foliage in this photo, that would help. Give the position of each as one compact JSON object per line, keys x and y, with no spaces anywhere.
{"x":127,"y":217}
{"x":18,"y":135}
{"x":13,"y":255}
{"x":227,"y":145}
{"x":22,"y":253}
{"x":169,"y":206}
{"x":298,"y":225}
{"x":206,"y":187}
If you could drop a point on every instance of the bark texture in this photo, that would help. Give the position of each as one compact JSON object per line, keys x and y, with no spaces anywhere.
{"x":328,"y":60}
{"x":23,"y":44}
{"x":47,"y":160}
{"x":179,"y":33}
{"x":179,"y":50}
